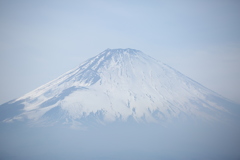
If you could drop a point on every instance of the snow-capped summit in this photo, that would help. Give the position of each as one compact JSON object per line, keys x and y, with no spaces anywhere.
{"x":118,"y":85}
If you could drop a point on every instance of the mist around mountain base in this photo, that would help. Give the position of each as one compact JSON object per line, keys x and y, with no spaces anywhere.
{"x":121,"y":141}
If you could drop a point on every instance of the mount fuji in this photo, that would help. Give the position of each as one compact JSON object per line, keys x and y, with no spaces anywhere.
{"x":120,"y":105}
{"x":119,"y":85}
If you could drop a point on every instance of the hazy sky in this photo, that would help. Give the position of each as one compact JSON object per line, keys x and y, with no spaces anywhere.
{"x":40,"y":40}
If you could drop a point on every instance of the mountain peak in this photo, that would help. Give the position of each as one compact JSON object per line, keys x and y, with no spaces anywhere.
{"x":121,"y":50}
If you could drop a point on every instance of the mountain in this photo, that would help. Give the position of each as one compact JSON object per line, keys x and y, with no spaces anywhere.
{"x":120,"y":105}
{"x":119,"y":85}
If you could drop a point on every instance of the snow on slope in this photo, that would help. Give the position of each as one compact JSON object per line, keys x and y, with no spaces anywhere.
{"x":118,"y":84}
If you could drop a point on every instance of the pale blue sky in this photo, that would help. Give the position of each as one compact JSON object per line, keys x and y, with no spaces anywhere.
{"x":40,"y":40}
